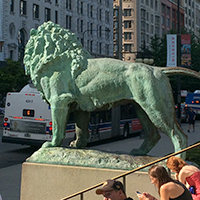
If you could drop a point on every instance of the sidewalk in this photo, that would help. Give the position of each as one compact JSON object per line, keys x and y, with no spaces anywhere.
{"x":162,"y":148}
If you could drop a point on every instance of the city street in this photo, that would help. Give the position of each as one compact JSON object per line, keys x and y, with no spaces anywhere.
{"x":12,"y":156}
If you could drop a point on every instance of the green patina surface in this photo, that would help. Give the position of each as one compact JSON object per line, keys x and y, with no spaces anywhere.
{"x":71,"y":81}
{"x":90,"y":158}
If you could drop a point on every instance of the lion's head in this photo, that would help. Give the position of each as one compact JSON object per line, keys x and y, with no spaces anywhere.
{"x":51,"y":42}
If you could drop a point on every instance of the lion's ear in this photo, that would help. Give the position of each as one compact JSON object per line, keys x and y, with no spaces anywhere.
{"x":33,"y":32}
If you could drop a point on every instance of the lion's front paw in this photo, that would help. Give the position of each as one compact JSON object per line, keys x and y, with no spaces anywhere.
{"x":137,"y":152}
{"x":78,"y":143}
{"x":47,"y":144}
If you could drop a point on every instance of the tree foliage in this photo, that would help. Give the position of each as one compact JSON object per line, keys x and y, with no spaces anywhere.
{"x":12,"y":77}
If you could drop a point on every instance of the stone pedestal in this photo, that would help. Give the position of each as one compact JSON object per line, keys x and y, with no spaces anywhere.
{"x":54,"y":182}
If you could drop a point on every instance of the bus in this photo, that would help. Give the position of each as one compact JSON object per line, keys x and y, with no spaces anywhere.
{"x":27,"y":120}
{"x":193,"y":100}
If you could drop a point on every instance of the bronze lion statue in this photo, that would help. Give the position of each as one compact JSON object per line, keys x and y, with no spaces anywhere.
{"x":71,"y":81}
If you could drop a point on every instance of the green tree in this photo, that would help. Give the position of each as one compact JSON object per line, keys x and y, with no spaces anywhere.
{"x":158,"y":48}
{"x":12,"y":77}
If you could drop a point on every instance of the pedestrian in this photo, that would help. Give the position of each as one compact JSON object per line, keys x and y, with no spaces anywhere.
{"x":191,"y":119}
{"x":113,"y":190}
{"x":189,"y":175}
{"x":168,"y":188}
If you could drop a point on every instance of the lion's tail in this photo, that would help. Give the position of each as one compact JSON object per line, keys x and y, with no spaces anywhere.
{"x":180,"y":71}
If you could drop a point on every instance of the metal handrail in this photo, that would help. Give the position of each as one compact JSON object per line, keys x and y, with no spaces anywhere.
{"x":130,"y":172}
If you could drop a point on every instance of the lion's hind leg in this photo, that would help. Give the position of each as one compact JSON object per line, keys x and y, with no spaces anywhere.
{"x":151,"y":136}
{"x":82,"y":119}
{"x":176,"y":134}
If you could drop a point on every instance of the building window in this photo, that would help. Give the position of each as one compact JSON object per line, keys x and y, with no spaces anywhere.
{"x":115,"y":24}
{"x":91,"y":46}
{"x":151,"y":3}
{"x":11,"y":5}
{"x":100,"y":14}
{"x":100,"y":31}
{"x":81,"y":7}
{"x":115,"y":13}
{"x":56,"y":17}
{"x":127,"y":24}
{"x":77,"y":22}
{"x":151,"y":18}
{"x":107,"y":16}
{"x":107,"y":33}
{"x":68,"y":22}
{"x":91,"y":11}
{"x":100,"y":47}
{"x":78,"y":6}
{"x":173,"y":25}
{"x":127,"y":12}
{"x":47,"y":14}
{"x":127,"y":36}
{"x":163,"y":8}
{"x":157,"y":19}
{"x":168,"y":22}
{"x":147,"y":26}
{"x":116,"y":48}
{"x":68,"y":4}
{"x":163,"y":20}
{"x":168,"y":11}
{"x":11,"y":55}
{"x":151,"y":29}
{"x":91,"y":28}
{"x":127,"y":47}
{"x":156,"y":5}
{"x":115,"y":36}
{"x":35,"y":11}
{"x":23,"y":7}
{"x":173,"y":13}
{"x":81,"y":25}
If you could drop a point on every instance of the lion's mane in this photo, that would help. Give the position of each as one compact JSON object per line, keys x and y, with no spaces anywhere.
{"x":51,"y":42}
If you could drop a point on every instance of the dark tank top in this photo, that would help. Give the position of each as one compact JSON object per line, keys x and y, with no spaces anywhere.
{"x":186,"y":195}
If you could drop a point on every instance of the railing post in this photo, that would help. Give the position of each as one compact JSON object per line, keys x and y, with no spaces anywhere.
{"x":81,"y":196}
{"x":124,"y":182}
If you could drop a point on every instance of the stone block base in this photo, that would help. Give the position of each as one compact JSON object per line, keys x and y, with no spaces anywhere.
{"x":54,"y":182}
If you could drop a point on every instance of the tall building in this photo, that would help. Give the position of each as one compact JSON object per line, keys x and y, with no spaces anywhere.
{"x":192,"y":16}
{"x":140,"y":20}
{"x":169,"y":16}
{"x":91,"y":20}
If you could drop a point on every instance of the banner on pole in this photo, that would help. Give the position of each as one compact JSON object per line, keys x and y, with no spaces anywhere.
{"x":185,"y":50}
{"x":171,"y":50}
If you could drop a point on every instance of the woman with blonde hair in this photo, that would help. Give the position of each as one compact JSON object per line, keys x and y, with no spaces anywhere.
{"x":189,"y":175}
{"x":168,"y":188}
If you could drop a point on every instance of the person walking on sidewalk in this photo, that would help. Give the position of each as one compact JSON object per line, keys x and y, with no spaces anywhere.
{"x":191,"y":119}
